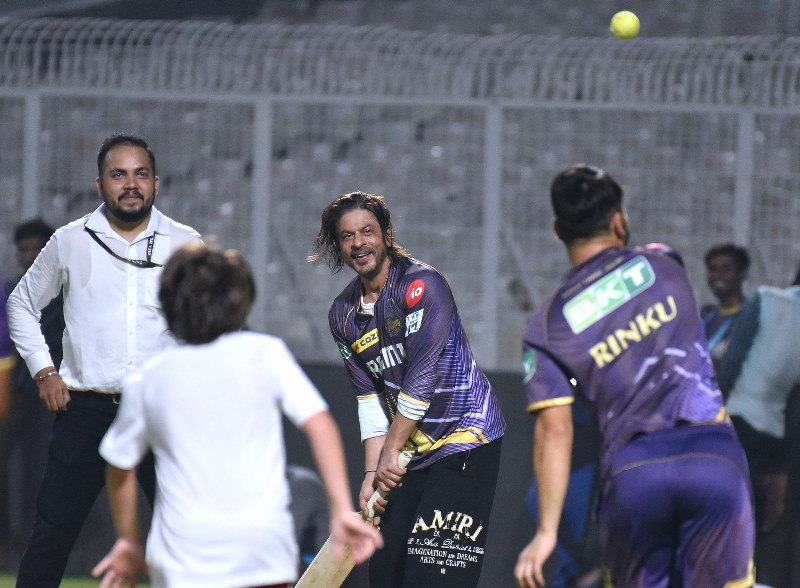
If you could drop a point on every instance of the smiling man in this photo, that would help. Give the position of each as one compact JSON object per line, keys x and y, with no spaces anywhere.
{"x":418,"y":387}
{"x":108,"y":264}
{"x":726,"y":271}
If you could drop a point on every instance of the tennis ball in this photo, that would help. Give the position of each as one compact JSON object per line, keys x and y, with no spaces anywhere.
{"x":625,"y":25}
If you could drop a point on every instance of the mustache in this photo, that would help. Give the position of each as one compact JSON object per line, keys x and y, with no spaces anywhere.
{"x":132,"y":193}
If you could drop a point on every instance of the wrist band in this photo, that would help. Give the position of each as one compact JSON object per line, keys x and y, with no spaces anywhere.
{"x":40,"y":379}
{"x":369,"y":472}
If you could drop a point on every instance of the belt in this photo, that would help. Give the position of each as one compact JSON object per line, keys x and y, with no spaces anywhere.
{"x":114,"y":397}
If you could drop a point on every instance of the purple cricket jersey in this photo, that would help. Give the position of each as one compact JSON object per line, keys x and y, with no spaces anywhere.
{"x":7,"y":356}
{"x":413,"y":349}
{"x":625,"y":326}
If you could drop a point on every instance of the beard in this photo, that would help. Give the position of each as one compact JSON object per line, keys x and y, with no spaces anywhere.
{"x":129,"y":216}
{"x":381,"y":255}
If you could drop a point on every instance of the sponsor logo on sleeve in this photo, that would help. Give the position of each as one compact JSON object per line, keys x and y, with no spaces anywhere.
{"x":343,"y":349}
{"x":528,"y":365}
{"x":414,"y":293}
{"x":608,"y":293}
{"x":414,"y":321}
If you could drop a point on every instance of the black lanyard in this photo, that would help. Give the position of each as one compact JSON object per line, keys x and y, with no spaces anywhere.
{"x":135,"y":262}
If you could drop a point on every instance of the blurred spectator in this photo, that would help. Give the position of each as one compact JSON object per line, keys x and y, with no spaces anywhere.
{"x":6,"y":361}
{"x":309,"y":508}
{"x":28,"y":424}
{"x":758,"y":375}
{"x":726,"y":271}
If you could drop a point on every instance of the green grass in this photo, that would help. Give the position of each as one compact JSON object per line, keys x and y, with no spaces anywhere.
{"x":7,"y":581}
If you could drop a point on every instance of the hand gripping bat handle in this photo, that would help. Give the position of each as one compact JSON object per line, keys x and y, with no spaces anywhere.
{"x":402,"y":460}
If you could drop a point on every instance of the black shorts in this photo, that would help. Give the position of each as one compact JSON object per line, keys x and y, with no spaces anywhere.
{"x":436,"y":522}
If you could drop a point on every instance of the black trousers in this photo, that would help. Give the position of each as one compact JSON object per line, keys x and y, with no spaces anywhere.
{"x":73,"y":478}
{"x":436,"y":522}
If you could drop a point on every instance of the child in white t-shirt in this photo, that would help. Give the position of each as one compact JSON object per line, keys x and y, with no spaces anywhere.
{"x":210,"y":410}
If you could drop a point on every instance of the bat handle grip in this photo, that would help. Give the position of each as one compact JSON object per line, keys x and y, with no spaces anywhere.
{"x":402,"y":460}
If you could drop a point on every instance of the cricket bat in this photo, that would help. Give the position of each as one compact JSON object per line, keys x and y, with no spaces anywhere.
{"x":325,"y":571}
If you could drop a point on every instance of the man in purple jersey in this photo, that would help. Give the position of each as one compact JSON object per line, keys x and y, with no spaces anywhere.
{"x":418,"y":387}
{"x":7,"y":359}
{"x":623,"y":329}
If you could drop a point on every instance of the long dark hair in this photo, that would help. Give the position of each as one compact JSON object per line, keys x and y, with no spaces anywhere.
{"x":326,"y":244}
{"x":206,"y":292}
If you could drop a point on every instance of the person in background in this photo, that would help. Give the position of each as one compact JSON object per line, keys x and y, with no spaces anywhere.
{"x":211,"y":412}
{"x":726,"y":271}
{"x":7,"y":361}
{"x":108,"y":264}
{"x":309,"y":510}
{"x":26,"y":429}
{"x":418,"y":388}
{"x":623,"y":332}
{"x":758,"y":377}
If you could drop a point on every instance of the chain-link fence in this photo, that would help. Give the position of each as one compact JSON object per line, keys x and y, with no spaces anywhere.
{"x":257,"y":127}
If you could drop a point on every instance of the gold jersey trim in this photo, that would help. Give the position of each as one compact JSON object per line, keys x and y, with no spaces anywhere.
{"x":550,"y":402}
{"x":745,"y":582}
{"x":424,"y":443}
{"x":367,"y":397}
{"x":414,"y":400}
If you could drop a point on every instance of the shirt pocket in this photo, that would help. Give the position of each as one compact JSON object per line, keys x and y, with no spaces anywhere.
{"x":152,"y":282}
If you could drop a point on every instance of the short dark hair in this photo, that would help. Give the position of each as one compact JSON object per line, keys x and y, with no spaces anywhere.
{"x":326,"y":244}
{"x":738,"y":253}
{"x":123,"y":139}
{"x":34,"y":227}
{"x":206,"y":292}
{"x":584,"y":198}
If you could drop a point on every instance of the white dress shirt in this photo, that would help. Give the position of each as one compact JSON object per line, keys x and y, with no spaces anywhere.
{"x":111,"y":310}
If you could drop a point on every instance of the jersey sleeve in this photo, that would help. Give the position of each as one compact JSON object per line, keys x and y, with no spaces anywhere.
{"x":6,"y":349}
{"x":372,"y":418}
{"x":125,"y":442}
{"x":429,"y":308}
{"x":545,"y":383}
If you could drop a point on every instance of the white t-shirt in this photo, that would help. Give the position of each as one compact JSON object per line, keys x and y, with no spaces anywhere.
{"x":212,"y":415}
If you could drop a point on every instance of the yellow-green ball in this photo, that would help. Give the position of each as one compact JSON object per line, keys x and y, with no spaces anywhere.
{"x":625,"y":25}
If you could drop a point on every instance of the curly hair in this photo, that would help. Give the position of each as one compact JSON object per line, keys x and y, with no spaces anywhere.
{"x":206,"y":292}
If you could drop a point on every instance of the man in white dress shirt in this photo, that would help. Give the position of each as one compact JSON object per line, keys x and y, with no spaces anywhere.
{"x":108,"y":264}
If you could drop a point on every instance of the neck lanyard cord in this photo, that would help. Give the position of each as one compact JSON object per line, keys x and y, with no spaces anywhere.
{"x":143,"y":263}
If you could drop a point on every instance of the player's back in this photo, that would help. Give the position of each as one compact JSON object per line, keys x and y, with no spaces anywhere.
{"x":625,"y":323}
